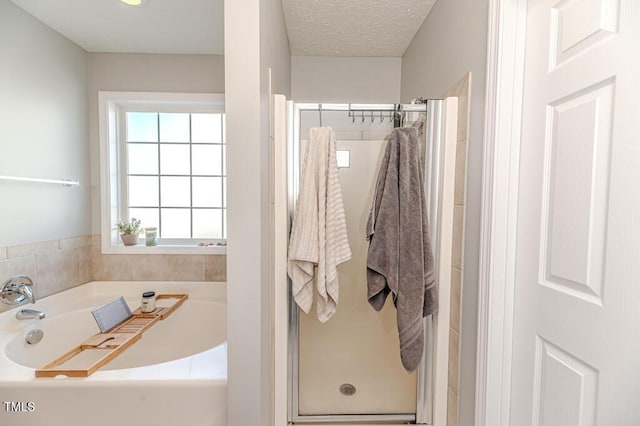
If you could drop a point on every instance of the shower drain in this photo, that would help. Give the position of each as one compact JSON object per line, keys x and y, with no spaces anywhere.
{"x":347,"y":389}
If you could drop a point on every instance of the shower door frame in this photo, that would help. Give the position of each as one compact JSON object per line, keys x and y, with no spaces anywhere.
{"x":425,"y":374}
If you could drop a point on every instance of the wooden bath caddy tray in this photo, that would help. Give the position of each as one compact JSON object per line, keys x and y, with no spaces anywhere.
{"x":114,"y":342}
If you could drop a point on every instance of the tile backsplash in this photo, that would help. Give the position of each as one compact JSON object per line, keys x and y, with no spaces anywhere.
{"x":58,"y":265}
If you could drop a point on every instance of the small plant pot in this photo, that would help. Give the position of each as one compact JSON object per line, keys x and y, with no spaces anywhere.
{"x":129,"y":239}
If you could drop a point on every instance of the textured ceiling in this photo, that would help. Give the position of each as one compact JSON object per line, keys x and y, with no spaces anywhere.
{"x":353,"y":27}
{"x":315,"y":27}
{"x":160,"y":26}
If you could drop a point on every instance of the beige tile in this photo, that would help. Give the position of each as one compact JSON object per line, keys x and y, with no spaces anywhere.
{"x":454,"y":359}
{"x":18,"y":266}
{"x":186,"y":268}
{"x":461,"y":173}
{"x":458,"y":234}
{"x":57,"y":271}
{"x":3,"y":253}
{"x":215,"y":268}
{"x":456,"y":291}
{"x":112,"y":267}
{"x":452,"y":408}
{"x":30,"y":249}
{"x":168,"y":268}
{"x":75,"y":242}
{"x":85,"y":269}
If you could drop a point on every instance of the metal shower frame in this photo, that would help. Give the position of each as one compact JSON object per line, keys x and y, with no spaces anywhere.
{"x":425,"y":375}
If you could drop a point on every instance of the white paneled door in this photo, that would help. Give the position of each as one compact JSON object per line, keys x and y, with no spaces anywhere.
{"x":576,"y":342}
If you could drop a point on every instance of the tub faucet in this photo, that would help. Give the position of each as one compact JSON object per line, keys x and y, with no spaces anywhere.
{"x":17,"y":290}
{"x":25,"y":314}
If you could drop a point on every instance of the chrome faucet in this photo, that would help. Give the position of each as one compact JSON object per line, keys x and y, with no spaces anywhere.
{"x":17,"y":290}
{"x":25,"y":314}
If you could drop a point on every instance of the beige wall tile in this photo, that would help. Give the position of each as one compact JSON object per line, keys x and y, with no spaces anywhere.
{"x":215,"y":268}
{"x":456,"y":291}
{"x":454,"y":359}
{"x":75,"y":242}
{"x":452,"y":408}
{"x":3,"y":253}
{"x":85,"y":270}
{"x":30,"y":249}
{"x":186,"y":268}
{"x":57,"y":271}
{"x":461,"y":173}
{"x":112,"y":267}
{"x":458,"y":232}
{"x":168,"y":268}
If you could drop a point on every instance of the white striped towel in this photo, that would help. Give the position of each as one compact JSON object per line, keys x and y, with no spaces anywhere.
{"x":318,"y":242}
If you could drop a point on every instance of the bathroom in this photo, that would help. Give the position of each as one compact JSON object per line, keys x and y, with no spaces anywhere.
{"x":60,"y":246}
{"x":54,"y":234}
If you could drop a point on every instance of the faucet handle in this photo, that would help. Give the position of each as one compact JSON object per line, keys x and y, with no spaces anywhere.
{"x":17,"y":290}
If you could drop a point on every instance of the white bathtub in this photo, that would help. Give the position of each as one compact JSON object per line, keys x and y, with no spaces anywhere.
{"x":169,"y":377}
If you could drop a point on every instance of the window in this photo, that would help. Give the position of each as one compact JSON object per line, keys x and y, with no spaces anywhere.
{"x":163,"y":162}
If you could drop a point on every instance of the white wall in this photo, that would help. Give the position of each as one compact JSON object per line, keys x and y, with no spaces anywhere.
{"x":345,"y":79}
{"x":255,"y":40}
{"x":452,"y":42}
{"x":144,"y":73}
{"x":43,"y":131}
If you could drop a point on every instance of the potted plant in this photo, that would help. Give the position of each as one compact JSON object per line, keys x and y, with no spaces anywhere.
{"x":129,"y":231}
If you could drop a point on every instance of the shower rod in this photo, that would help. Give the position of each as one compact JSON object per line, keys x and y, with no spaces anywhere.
{"x":394,"y":111}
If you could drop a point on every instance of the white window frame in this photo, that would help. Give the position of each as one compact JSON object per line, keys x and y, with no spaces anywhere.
{"x":112,"y":166}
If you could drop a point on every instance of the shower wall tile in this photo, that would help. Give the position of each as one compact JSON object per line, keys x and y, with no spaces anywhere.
{"x":452,"y":408}
{"x":461,"y":173}
{"x":458,"y":237}
{"x":454,"y":360}
{"x":461,"y":90}
{"x":456,"y":291}
{"x":3,"y":253}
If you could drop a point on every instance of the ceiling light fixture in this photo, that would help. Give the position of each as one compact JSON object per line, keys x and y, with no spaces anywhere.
{"x":132,"y":2}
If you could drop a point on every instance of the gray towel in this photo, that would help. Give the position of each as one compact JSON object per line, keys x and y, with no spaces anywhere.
{"x":399,"y":259}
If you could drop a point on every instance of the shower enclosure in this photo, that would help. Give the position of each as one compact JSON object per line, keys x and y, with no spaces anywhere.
{"x":348,"y":369}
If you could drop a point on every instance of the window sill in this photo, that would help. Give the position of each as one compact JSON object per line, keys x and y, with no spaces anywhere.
{"x":166,"y":249}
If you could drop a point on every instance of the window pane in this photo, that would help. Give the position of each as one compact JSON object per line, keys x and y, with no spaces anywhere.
{"x":174,"y":127}
{"x":149,"y":217}
{"x":206,"y":128}
{"x":143,"y":158}
{"x":207,"y":223}
{"x":142,"y":127}
{"x":174,"y":159}
{"x":143,"y":191}
{"x":207,"y":192}
{"x":175,"y":192}
{"x":176,"y":223}
{"x":207,"y":159}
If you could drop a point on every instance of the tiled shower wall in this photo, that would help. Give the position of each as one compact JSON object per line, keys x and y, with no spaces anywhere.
{"x":58,"y":265}
{"x":461,"y":90}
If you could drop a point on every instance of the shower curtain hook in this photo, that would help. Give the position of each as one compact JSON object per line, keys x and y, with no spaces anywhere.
{"x":320,"y":113}
{"x":372,"y":117}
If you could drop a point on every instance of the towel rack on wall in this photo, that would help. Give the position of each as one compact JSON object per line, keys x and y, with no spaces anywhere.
{"x":64,"y":182}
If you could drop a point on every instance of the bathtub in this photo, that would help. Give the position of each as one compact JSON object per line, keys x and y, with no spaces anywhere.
{"x":169,"y":377}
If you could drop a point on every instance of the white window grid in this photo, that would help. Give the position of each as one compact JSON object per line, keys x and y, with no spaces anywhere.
{"x":125,"y":206}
